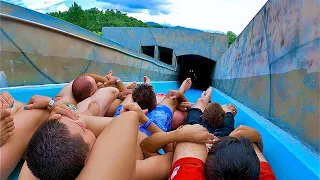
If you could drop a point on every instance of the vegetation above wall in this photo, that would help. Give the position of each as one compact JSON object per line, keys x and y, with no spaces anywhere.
{"x":94,"y":19}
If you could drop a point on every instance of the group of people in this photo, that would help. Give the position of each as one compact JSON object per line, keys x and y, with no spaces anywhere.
{"x":97,"y":127}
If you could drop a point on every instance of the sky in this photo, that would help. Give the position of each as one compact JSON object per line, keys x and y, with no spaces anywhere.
{"x":208,"y":15}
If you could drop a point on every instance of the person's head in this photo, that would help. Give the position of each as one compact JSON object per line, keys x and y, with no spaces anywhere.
{"x":59,"y":149}
{"x":144,"y":95}
{"x":213,"y":115}
{"x":83,"y":87}
{"x":231,"y":158}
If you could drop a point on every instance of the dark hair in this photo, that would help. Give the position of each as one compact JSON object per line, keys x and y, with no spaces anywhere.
{"x":213,"y":115}
{"x":53,"y":153}
{"x":231,"y":158}
{"x":81,"y":88}
{"x":144,"y":95}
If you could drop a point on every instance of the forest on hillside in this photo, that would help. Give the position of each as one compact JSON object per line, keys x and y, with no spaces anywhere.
{"x":94,"y":19}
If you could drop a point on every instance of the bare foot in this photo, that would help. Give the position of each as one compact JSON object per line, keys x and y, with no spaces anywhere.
{"x":9,"y":102}
{"x":146,"y":80}
{"x":93,"y":109}
{"x":208,"y":94}
{"x":6,"y":124}
{"x":131,"y":85}
{"x":185,"y":85}
{"x":109,"y":73}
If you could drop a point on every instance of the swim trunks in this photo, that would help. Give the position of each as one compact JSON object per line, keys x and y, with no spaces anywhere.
{"x":266,"y":172}
{"x":187,"y":168}
{"x":193,"y":168}
{"x":161,"y":116}
{"x":118,"y":111}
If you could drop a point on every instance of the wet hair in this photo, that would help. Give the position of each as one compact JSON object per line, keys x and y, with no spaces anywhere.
{"x":53,"y":153}
{"x":144,"y":95}
{"x":231,"y":158}
{"x":81,"y":88}
{"x":213,"y":115}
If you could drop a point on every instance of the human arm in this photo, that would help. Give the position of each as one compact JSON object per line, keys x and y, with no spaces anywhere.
{"x":230,"y":108}
{"x":25,"y":173}
{"x":114,"y":81}
{"x":119,"y":139}
{"x":97,"y":77}
{"x":252,"y":134}
{"x":143,"y":119}
{"x":38,"y":102}
{"x":184,"y":106}
{"x":95,"y":124}
{"x":188,"y":133}
{"x":173,"y":99}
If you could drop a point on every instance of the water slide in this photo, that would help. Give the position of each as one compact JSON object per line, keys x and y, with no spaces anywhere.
{"x":271,"y":73}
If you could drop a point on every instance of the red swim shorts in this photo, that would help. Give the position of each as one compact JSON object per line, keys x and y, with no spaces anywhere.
{"x":187,"y":169}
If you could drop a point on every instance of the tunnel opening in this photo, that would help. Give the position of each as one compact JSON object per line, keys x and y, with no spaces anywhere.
{"x":198,"y":68}
{"x":148,"y":50}
{"x":165,"y":55}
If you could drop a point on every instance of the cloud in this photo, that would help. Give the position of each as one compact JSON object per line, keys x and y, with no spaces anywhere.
{"x":154,"y":7}
{"x":216,"y":15}
{"x":38,"y":5}
{"x":62,"y":7}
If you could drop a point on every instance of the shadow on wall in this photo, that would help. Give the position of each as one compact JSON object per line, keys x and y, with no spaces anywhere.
{"x":198,"y":68}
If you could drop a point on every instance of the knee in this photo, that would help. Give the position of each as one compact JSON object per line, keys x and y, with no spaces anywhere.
{"x":109,"y":91}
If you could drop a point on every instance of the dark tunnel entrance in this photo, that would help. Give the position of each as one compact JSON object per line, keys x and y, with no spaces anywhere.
{"x":198,"y":68}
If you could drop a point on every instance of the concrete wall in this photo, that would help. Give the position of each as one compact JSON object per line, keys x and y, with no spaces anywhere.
{"x":54,"y":51}
{"x":273,"y":67}
{"x":209,"y":45}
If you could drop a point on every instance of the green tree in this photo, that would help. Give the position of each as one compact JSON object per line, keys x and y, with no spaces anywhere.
{"x":232,"y":37}
{"x":93,"y":19}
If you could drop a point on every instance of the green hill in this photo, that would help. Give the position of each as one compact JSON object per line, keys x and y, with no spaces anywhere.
{"x":93,"y":19}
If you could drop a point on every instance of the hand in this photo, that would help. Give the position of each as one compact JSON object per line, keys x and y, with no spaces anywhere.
{"x":6,"y":99}
{"x":196,"y":134}
{"x":38,"y":102}
{"x":112,"y":81}
{"x":135,"y":107}
{"x":100,"y":85}
{"x":124,"y":94}
{"x":59,"y":110}
{"x":229,"y":108}
{"x":248,"y":132}
{"x":184,"y":106}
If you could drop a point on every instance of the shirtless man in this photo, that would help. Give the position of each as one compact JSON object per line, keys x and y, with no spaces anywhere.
{"x":234,"y":157}
{"x":27,"y":120}
{"x":67,"y":159}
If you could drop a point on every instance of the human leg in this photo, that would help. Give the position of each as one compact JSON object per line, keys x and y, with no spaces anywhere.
{"x":155,"y":167}
{"x":113,"y":108}
{"x":131,"y":85}
{"x":6,"y":125}
{"x":26,"y":123}
{"x":204,"y":99}
{"x":173,"y":98}
{"x":104,"y":97}
{"x":120,"y":147}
